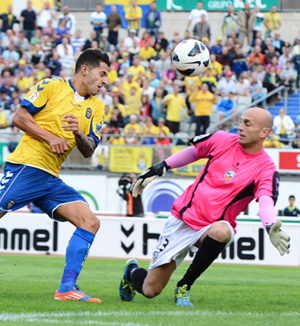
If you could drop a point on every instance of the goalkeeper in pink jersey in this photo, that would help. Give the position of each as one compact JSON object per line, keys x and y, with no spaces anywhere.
{"x":203,"y":218}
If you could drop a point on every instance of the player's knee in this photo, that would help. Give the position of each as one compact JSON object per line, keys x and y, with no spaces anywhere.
{"x":151,"y":291}
{"x":220,"y":232}
{"x":93,"y":223}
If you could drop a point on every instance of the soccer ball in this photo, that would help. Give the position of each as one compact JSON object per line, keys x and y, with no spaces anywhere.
{"x":191,"y":58}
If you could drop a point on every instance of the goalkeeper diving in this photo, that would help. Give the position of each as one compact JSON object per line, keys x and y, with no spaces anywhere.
{"x":203,"y":218}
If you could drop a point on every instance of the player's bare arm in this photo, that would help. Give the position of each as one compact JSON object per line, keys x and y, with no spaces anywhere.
{"x":24,"y":121}
{"x":86,"y":145}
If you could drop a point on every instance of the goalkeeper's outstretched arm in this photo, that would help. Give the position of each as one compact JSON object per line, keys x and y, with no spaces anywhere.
{"x":267,"y":214}
{"x":182,"y":158}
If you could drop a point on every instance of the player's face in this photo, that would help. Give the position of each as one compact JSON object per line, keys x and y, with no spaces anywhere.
{"x":250,"y":131}
{"x":96,"y":78}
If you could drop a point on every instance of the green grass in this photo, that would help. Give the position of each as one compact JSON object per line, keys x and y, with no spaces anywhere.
{"x":225,"y":295}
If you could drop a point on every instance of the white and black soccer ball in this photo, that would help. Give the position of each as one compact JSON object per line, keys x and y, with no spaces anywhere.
{"x":191,"y":58}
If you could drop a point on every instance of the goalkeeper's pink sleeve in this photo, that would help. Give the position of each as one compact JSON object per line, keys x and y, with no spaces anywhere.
{"x":182,"y":158}
{"x":267,"y":212}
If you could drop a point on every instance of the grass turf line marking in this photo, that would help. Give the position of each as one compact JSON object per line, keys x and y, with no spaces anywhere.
{"x":48,"y":317}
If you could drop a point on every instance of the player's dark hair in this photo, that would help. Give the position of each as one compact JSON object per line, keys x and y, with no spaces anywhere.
{"x":292,"y":196}
{"x":92,"y":59}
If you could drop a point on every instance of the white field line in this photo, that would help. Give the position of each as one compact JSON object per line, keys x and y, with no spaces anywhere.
{"x":68,"y":317}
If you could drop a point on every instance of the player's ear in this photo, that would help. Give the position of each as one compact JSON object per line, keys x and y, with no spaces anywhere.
{"x":265,"y":132}
{"x":84,"y":70}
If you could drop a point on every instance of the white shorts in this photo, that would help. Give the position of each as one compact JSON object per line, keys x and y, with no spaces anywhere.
{"x":176,"y":240}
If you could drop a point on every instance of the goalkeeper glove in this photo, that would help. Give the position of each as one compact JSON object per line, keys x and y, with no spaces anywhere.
{"x":279,"y":239}
{"x":143,"y":179}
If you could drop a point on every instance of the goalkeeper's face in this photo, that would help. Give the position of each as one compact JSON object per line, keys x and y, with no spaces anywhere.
{"x":96,"y":78}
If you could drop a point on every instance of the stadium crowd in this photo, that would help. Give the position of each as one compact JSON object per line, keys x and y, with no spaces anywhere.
{"x":145,"y":95}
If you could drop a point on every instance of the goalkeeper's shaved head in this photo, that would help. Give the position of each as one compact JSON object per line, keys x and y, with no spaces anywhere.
{"x":92,"y":58}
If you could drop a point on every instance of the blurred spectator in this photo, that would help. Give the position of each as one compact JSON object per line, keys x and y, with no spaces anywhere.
{"x":8,"y":38}
{"x":286,"y":56}
{"x":61,"y":31}
{"x":296,"y":62}
{"x":260,"y":72}
{"x":147,"y":89}
{"x":162,"y":141}
{"x":145,"y":109}
{"x":246,"y":20}
{"x":257,"y":52}
{"x":8,"y":87}
{"x":192,"y":81}
{"x":65,"y":52}
{"x":230,"y":22}
{"x":210,"y":80}
{"x":117,"y":120}
{"x":117,"y":139}
{"x":128,"y":42}
{"x":201,"y":29}
{"x":195,"y":15}
{"x":149,"y":128}
{"x":48,"y":30}
{"x":134,"y":49}
{"x":217,"y":48}
{"x":44,"y":15}
{"x":296,"y":142}
{"x":133,"y":124}
{"x":24,"y":68}
{"x":146,"y":37}
{"x":226,"y":85}
{"x":272,"y":21}
{"x":161,"y":125}
{"x":204,"y":101}
{"x":163,"y":64}
{"x":238,"y":62}
{"x":11,"y":53}
{"x":114,"y":22}
{"x":158,"y":110}
{"x":132,"y":103}
{"x":271,"y":53}
{"x":128,"y":84}
{"x":22,"y":44}
{"x":278,"y":43}
{"x":136,"y":68}
{"x":272,"y":141}
{"x":153,"y":20}
{"x":291,"y":210}
{"x":8,"y":20}
{"x":69,"y":18}
{"x":255,"y":88}
{"x":3,"y":121}
{"x":215,"y":66}
{"x":162,"y":40}
{"x":55,"y":65}
{"x":296,"y":48}
{"x":272,"y":80}
{"x":28,"y":17}
{"x":98,"y":20}
{"x":133,"y":15}
{"x":147,"y":52}
{"x":37,"y":38}
{"x":283,"y":125}
{"x":132,"y":140}
{"x":287,"y":74}
{"x":102,"y":160}
{"x":105,"y":97}
{"x":205,"y":41}
{"x":174,"y":103}
{"x":259,"y":19}
{"x":77,"y":42}
{"x":104,"y":45}
{"x":242,"y":86}
{"x":171,"y":74}
{"x":227,"y":107}
{"x":116,"y":103}
{"x":224,"y":58}
{"x":230,"y":45}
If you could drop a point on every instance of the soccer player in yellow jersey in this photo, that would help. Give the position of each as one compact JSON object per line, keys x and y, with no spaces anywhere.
{"x":57,"y":115}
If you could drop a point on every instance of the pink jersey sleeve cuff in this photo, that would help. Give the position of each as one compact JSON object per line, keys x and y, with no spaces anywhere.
{"x":267,"y":212}
{"x":182,"y":158}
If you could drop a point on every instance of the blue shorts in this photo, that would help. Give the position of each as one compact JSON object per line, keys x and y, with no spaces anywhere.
{"x":22,"y":184}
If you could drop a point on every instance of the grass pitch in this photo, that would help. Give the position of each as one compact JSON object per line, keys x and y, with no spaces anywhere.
{"x":224,"y":295}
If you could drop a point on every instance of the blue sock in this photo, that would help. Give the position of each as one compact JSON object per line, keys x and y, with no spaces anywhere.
{"x":76,"y":254}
